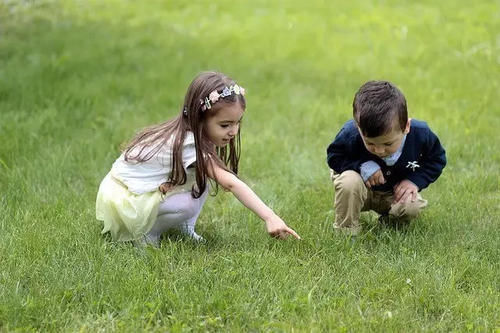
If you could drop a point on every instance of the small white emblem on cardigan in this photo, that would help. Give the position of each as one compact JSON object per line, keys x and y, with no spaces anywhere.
{"x":413,"y":165}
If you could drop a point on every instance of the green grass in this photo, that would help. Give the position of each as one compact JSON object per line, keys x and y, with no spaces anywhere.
{"x":78,"y":78}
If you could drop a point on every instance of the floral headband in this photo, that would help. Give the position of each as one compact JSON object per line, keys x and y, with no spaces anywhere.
{"x":214,"y":96}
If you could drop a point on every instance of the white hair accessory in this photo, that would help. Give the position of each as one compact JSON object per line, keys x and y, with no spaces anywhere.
{"x":214,"y":96}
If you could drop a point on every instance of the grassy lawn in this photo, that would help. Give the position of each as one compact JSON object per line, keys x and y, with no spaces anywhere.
{"x":78,"y":78}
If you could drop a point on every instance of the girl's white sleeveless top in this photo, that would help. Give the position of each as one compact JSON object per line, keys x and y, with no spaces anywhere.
{"x":147,"y":176}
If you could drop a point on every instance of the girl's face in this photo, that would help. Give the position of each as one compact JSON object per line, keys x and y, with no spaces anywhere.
{"x":387,"y":144}
{"x":224,"y":125}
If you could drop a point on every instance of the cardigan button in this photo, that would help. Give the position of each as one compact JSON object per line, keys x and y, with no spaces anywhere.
{"x":388,"y":173}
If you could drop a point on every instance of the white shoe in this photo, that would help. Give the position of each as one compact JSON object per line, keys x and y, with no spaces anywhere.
{"x":147,"y":240}
{"x":189,"y":231}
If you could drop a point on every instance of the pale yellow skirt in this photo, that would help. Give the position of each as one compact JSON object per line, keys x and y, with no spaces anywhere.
{"x":126,"y":216}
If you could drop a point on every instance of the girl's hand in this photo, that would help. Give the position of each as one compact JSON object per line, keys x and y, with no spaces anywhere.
{"x":405,"y":190}
{"x":165,"y":187}
{"x":278,"y":229}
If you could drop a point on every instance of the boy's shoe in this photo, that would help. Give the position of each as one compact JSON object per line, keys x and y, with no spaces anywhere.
{"x":392,"y":222}
{"x":350,"y":231}
{"x":384,"y":219}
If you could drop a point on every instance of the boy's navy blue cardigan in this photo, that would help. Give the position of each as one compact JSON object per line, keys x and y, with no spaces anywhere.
{"x":421,"y":161}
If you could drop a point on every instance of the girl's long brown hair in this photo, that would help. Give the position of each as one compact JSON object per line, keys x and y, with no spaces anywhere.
{"x":146,"y":144}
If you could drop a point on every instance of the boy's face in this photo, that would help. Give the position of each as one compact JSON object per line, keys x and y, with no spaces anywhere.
{"x":387,"y":144}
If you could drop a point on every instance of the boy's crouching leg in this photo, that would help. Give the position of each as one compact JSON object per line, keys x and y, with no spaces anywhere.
{"x":406,"y":211}
{"x":350,"y":196}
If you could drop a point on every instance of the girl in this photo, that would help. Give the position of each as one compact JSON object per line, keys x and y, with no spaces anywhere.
{"x":160,"y":180}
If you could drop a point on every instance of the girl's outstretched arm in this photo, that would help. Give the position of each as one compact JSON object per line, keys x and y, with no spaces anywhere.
{"x":274,"y":224}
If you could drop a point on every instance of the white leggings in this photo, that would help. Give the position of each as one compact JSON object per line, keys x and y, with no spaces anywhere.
{"x":178,"y":211}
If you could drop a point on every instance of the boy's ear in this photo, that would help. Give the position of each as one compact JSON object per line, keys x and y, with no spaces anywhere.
{"x":359,"y":130}
{"x":407,"y":128}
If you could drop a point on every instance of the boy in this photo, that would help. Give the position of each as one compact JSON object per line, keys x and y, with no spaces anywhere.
{"x":380,"y":160}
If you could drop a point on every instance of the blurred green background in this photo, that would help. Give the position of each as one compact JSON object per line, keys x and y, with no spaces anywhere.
{"x":79,"y":78}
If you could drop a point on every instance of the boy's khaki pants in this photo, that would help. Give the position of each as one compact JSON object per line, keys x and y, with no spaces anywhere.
{"x":352,"y":197}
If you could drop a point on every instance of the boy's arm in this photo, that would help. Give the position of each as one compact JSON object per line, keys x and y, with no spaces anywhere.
{"x":275,"y":226}
{"x":340,"y":155}
{"x":432,"y":164}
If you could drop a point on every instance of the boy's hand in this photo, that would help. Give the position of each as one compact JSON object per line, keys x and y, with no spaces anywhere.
{"x":376,"y":179}
{"x":405,"y":190}
{"x":278,"y":229}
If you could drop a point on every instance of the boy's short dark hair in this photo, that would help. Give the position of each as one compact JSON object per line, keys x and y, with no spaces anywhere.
{"x":375,"y":106}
